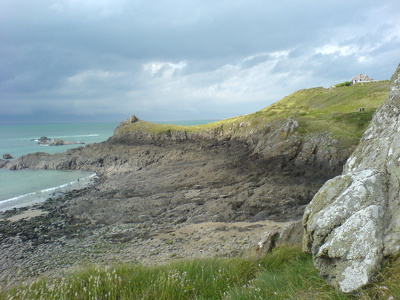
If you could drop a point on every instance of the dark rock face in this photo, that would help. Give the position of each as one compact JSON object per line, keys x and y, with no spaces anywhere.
{"x":354,"y":219}
{"x":278,"y":144}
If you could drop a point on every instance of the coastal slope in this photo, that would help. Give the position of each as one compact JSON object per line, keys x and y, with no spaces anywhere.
{"x":155,"y":179}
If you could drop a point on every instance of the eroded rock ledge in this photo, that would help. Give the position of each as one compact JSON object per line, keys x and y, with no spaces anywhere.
{"x":353,"y":222}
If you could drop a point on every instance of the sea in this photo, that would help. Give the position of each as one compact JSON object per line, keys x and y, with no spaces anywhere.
{"x":27,"y":187}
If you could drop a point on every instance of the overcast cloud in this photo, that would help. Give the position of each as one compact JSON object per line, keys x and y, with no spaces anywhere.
{"x":104,"y":60}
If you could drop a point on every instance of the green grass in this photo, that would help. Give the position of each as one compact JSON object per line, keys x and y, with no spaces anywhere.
{"x":335,"y":110}
{"x":190,"y":279}
{"x":285,"y":273}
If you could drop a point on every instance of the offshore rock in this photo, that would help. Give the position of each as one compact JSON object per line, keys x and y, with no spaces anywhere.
{"x":7,"y":156}
{"x":59,"y":142}
{"x":45,"y":141}
{"x":353,"y":222}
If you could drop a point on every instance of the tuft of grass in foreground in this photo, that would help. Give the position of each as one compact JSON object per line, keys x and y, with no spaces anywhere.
{"x":285,"y":273}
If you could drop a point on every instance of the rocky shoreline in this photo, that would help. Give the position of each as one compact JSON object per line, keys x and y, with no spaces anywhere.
{"x":44,"y":240}
{"x":161,"y":197}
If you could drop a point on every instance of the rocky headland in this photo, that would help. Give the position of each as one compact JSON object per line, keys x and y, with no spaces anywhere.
{"x":166,"y":192}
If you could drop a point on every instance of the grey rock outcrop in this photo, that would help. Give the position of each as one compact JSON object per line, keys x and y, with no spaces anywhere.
{"x":7,"y":156}
{"x":45,"y":141}
{"x":3,"y":163}
{"x":59,"y":142}
{"x":278,"y":143}
{"x":353,"y":222}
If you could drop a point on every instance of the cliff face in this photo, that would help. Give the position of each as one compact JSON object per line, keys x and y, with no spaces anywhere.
{"x":277,"y":144}
{"x":354,"y":219}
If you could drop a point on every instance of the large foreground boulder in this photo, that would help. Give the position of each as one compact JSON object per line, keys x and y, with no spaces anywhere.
{"x":353,"y":222}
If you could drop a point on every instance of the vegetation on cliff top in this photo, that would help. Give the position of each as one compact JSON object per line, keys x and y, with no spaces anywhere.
{"x":344,"y":111}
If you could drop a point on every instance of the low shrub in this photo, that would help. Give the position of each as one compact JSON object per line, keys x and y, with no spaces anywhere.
{"x":346,"y":83}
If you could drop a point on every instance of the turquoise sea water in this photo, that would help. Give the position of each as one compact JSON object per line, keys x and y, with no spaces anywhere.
{"x":26,"y":187}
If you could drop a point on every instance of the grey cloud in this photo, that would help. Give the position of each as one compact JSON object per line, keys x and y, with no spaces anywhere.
{"x":80,"y":56}
{"x":210,"y":30}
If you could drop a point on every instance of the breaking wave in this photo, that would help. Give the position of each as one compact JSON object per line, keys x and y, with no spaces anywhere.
{"x":44,"y":194}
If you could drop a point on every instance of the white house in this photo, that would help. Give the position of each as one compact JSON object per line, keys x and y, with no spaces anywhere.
{"x":361,"y":78}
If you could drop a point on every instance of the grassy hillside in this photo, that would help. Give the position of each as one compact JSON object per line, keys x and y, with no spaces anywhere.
{"x":286,"y":273}
{"x":335,"y":110}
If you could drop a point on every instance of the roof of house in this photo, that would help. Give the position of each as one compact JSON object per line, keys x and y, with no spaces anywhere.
{"x":362,"y":77}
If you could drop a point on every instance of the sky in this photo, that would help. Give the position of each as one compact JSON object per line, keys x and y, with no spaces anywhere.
{"x":105,"y":60}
